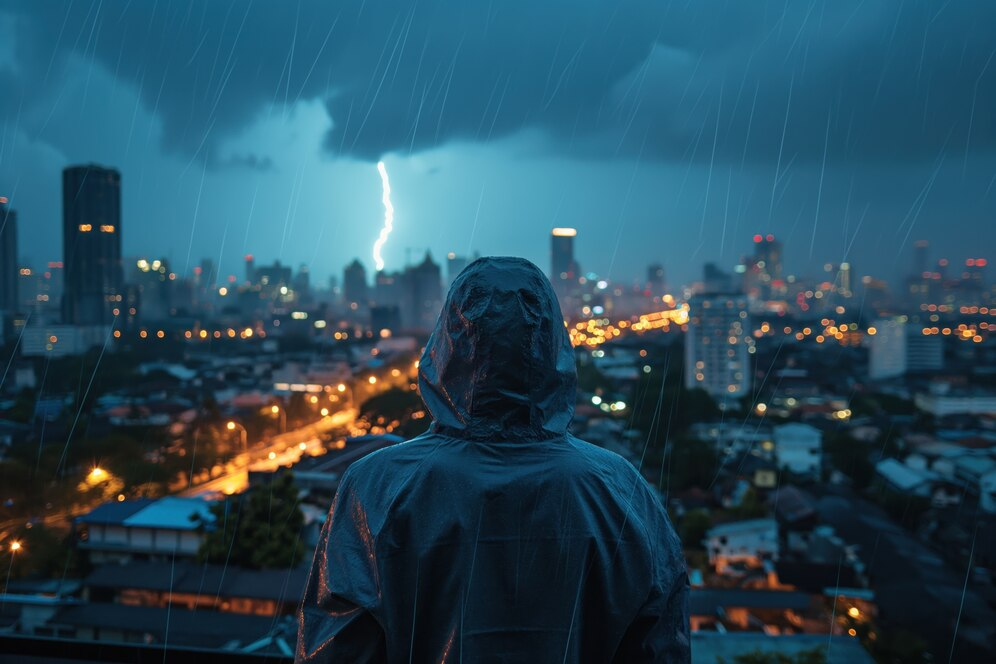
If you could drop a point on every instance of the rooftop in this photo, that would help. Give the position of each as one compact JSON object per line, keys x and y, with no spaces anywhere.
{"x":172,"y":513}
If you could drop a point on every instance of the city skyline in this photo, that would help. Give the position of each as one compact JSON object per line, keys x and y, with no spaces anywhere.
{"x":920,"y":252}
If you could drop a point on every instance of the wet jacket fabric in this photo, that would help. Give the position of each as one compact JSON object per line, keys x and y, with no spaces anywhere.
{"x":497,"y":536}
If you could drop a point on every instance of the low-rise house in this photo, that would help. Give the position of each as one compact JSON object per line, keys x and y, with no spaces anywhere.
{"x":145,"y":528}
{"x":742,"y":544}
{"x":799,"y":449}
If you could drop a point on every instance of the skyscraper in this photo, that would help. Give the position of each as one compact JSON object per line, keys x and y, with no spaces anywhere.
{"x":564,"y":270}
{"x":763,"y":273}
{"x":423,"y":294}
{"x":454,"y":266}
{"x":716,"y":346}
{"x":354,"y":284}
{"x":91,"y":240}
{"x":8,"y":258}
{"x":655,"y":279}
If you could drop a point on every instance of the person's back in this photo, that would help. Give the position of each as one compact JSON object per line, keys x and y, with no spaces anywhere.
{"x":497,"y":536}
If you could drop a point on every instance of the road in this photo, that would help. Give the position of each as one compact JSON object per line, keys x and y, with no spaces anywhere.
{"x":281,"y":450}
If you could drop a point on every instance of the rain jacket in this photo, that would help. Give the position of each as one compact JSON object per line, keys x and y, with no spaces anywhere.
{"x":496,"y":536}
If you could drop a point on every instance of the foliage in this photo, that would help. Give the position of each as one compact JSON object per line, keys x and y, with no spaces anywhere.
{"x":44,"y":553}
{"x":851,"y":457}
{"x":899,"y":647}
{"x":693,"y":527}
{"x":688,"y":463}
{"x":662,"y":407}
{"x":907,"y":509}
{"x":813,"y":656}
{"x":590,"y":378}
{"x":751,"y":507}
{"x":397,"y":404}
{"x":258,"y":529}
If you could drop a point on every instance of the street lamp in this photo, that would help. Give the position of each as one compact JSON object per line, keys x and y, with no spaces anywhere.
{"x":277,"y":410}
{"x":232,"y":426}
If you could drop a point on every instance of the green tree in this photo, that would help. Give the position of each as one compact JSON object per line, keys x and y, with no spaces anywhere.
{"x":258,"y":529}
{"x":813,"y":656}
{"x":693,"y":527}
{"x":851,"y":457}
{"x":397,"y":404}
{"x":686,"y":463}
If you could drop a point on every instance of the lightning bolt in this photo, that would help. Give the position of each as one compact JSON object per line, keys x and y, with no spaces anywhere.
{"x":388,"y":216}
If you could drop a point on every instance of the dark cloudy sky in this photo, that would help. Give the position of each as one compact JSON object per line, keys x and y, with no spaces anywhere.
{"x":664,"y":131}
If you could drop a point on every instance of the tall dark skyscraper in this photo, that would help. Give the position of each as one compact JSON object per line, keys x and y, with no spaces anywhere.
{"x":564,"y":270}
{"x":8,"y":258}
{"x":354,"y":283}
{"x":91,"y":241}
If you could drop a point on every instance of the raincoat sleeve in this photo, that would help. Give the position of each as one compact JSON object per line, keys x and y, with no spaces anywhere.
{"x":660,"y":630}
{"x":337,"y":620}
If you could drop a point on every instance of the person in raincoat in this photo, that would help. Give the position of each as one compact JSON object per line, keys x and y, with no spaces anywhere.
{"x":496,"y":536}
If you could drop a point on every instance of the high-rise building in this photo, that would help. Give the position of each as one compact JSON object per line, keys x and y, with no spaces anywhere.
{"x":8,"y":258}
{"x":250,"y":269}
{"x":655,"y":279}
{"x":898,"y":348}
{"x":920,"y":257}
{"x":564,"y":270}
{"x":763,"y":273}
{"x":155,"y":289}
{"x":716,"y":346}
{"x":454,"y":266}
{"x":423,"y":294}
{"x":715,"y":280}
{"x":91,"y":240}
{"x":354,"y":284}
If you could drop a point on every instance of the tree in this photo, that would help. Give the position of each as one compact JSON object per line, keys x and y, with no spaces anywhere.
{"x":850,"y":456}
{"x":813,"y":656}
{"x":694,"y":526}
{"x":397,"y":405}
{"x":688,"y":463}
{"x":258,"y":529}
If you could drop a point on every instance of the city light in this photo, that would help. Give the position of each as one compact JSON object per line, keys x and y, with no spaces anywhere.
{"x":564,"y":232}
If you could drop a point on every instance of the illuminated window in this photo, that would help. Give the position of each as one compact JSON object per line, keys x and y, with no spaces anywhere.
{"x":85,"y":228}
{"x":106,"y":228}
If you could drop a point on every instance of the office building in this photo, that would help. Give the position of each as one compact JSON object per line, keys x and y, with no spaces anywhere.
{"x":655,"y":279}
{"x":716,"y":346}
{"x":422,"y":290}
{"x":564,"y":269}
{"x":898,"y":348}
{"x":91,"y":236}
{"x":9,"y":302}
{"x":799,"y":449}
{"x":454,"y":266}
{"x":763,"y":270}
{"x":354,"y":284}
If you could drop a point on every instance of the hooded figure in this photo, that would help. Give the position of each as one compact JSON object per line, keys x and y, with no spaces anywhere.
{"x":496,"y":536}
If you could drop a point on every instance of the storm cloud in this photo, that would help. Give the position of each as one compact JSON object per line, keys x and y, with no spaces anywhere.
{"x":704,"y":80}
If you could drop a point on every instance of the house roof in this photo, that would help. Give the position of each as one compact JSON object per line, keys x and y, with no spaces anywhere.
{"x":712,"y":647}
{"x":707,"y":601}
{"x":172,"y":513}
{"x":282,"y":585}
{"x":741,"y":527}
{"x":902,"y":476}
{"x":212,"y":629}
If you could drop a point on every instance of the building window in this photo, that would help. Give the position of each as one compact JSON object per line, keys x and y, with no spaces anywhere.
{"x":85,"y":228}
{"x":106,"y":228}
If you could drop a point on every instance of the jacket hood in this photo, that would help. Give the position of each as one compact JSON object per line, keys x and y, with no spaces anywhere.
{"x":499,"y":364}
